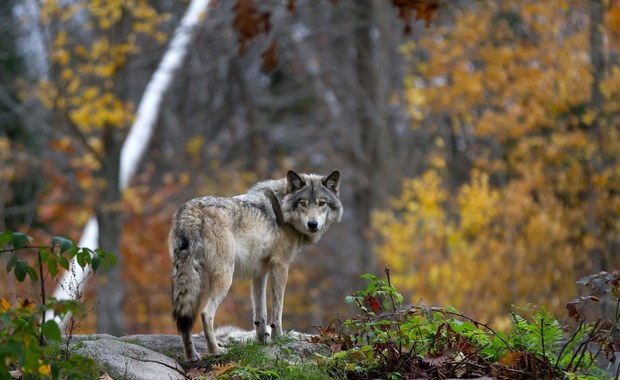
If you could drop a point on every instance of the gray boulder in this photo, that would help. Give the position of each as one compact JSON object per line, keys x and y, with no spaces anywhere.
{"x":124,"y":360}
{"x":160,"y":356}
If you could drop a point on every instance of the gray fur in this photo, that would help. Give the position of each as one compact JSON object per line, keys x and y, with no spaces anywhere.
{"x":214,"y":240}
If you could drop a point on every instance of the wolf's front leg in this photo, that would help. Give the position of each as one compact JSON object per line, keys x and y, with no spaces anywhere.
{"x":279,"y":275}
{"x":259,"y":305}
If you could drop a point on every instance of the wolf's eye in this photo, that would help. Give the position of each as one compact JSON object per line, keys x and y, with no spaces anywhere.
{"x":303,"y":203}
{"x":321,"y":203}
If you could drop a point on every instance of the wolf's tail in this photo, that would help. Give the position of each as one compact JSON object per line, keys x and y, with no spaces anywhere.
{"x":187,"y":280}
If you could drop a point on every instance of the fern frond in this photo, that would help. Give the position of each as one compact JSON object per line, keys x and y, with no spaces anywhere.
{"x":545,"y":334}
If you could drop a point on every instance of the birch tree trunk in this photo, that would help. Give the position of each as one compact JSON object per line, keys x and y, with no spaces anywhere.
{"x":122,"y":166}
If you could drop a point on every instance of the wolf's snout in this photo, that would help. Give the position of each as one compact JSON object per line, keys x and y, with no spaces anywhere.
{"x":313,"y":225}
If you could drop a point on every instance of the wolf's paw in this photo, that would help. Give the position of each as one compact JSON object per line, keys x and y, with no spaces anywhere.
{"x":195,"y":356}
{"x":220,"y":350}
{"x":263,"y":337}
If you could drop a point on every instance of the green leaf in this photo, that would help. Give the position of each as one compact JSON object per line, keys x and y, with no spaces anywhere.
{"x":81,"y":257}
{"x":32,"y":273}
{"x":51,"y":330}
{"x":63,"y":262}
{"x":6,"y":237}
{"x":95,"y":262}
{"x":21,"y":269}
{"x":20,"y":240}
{"x":11,"y":264}
{"x":52,"y":267}
{"x":106,"y":257}
{"x":64,"y":243}
{"x":349,"y":299}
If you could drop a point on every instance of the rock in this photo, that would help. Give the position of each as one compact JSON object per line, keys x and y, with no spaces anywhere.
{"x":160,"y":356}
{"x":124,"y":360}
{"x":169,"y":345}
{"x":80,"y":338}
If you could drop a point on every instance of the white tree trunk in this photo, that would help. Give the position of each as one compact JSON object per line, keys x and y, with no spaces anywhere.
{"x":139,"y":136}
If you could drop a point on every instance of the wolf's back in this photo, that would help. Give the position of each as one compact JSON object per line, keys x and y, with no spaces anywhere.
{"x":185,"y":245}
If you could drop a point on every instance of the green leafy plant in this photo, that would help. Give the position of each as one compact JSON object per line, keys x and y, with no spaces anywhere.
{"x":390,"y":340}
{"x":28,"y":342}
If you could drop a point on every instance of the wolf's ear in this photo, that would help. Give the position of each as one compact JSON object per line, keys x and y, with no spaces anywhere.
{"x":332,"y":181}
{"x":293,"y":181}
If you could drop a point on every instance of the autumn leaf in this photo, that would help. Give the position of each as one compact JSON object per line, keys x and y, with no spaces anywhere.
{"x":423,"y":10}
{"x":270,"y":57}
{"x":4,"y":305}
{"x":219,"y":369}
{"x":511,"y":359}
{"x":290,"y":5}
{"x":572,"y":310}
{"x":373,"y":304}
{"x":249,"y":22}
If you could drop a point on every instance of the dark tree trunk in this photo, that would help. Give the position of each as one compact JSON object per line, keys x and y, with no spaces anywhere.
{"x":374,"y":154}
{"x":593,"y":222}
{"x":110,"y":287}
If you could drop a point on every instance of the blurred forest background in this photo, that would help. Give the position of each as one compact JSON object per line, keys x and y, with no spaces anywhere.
{"x":479,"y":152}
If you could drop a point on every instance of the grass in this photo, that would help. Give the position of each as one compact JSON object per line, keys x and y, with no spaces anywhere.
{"x":251,"y":360}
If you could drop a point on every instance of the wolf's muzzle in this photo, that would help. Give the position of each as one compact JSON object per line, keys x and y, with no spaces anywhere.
{"x":313,"y":225}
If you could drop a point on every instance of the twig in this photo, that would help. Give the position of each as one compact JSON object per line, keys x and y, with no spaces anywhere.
{"x":25,"y":247}
{"x":387,"y":274}
{"x":557,"y":363}
{"x":584,"y":344}
{"x":43,"y":297}
{"x":542,"y":336}
{"x":607,"y":336}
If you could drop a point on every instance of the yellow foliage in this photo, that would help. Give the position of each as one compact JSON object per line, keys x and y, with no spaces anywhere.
{"x":514,"y":80}
{"x":477,"y":204}
{"x":194,"y":145}
{"x":44,"y":369}
{"x":4,"y":305}
{"x":81,"y":90}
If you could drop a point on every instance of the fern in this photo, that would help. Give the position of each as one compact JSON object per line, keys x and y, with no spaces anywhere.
{"x":542,"y":336}
{"x":519,"y":335}
{"x":546,"y":334}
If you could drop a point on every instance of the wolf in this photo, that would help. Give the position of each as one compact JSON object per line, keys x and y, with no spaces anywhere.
{"x":255,"y":235}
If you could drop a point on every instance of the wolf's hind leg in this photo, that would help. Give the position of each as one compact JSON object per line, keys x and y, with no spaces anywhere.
{"x":259,"y":304}
{"x":188,"y":345}
{"x":218,"y":286}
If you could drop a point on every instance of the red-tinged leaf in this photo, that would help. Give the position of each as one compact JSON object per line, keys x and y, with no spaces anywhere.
{"x":290,"y":5}
{"x":511,"y":359}
{"x":373,"y":304}
{"x":270,"y":57}
{"x":249,"y":23}
{"x":423,"y":10}
{"x":572,"y":310}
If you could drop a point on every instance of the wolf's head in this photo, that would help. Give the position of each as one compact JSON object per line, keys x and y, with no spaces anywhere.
{"x":311,"y":203}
